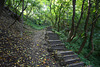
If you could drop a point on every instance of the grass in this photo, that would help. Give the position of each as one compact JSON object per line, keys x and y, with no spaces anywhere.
{"x":33,"y":24}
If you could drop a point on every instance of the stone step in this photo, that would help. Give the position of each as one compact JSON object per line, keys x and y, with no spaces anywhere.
{"x":49,"y":32}
{"x":66,"y":57}
{"x":88,"y":66}
{"x":58,"y":49}
{"x":63,"y":53}
{"x":80,"y":64}
{"x":46,"y":37}
{"x":57,"y":45}
{"x":54,"y":48}
{"x":54,"y":41}
{"x":70,"y":56}
{"x":52,"y":36}
{"x":70,"y":61}
{"x":53,"y":45}
{"x":49,"y":29}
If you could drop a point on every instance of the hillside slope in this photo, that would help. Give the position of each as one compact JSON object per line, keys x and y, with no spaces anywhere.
{"x":26,"y":51}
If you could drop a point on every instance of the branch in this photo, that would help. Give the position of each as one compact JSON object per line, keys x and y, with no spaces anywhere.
{"x":85,"y":28}
{"x":18,"y":17}
{"x":29,"y":12}
{"x":96,"y":18}
{"x":17,"y":6}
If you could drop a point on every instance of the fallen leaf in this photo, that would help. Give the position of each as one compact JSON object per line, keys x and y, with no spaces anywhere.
{"x":37,"y":44}
{"x":37,"y":65}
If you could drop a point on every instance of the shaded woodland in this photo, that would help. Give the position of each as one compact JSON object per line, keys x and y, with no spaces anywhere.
{"x":77,"y":22}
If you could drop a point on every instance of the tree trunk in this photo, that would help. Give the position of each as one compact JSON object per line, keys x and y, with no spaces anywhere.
{"x":56,"y":20}
{"x":91,"y":40}
{"x":92,"y":28}
{"x":59,"y":22}
{"x":50,"y":5}
{"x":78,"y":21}
{"x":1,"y":5}
{"x":91,"y":36}
{"x":85,"y":28}
{"x":22,"y":18}
{"x":72,"y":27}
{"x":59,"y":18}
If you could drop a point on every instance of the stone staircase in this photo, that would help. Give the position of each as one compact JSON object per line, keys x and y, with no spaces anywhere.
{"x":65,"y":57}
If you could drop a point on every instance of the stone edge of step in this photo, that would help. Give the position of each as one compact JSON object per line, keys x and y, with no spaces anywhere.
{"x":74,"y":64}
{"x":70,"y":61}
{"x":68,"y":51}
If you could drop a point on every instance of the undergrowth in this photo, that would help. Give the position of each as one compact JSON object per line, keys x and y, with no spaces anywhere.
{"x":93,"y":59}
{"x":33,"y":24}
{"x":30,"y":22}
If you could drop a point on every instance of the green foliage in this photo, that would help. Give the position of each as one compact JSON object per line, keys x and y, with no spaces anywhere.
{"x":33,"y":24}
{"x":75,"y":45}
{"x":39,"y":16}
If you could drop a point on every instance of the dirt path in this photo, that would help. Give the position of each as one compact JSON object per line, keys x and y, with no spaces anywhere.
{"x":39,"y":55}
{"x":28,"y":51}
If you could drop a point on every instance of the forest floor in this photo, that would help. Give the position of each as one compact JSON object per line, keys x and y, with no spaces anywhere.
{"x":27,"y":51}
{"x":30,"y":50}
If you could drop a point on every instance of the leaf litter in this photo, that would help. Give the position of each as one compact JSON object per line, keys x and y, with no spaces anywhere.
{"x":28,"y":51}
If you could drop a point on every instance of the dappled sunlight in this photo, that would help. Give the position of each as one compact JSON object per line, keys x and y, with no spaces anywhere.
{"x":49,"y":33}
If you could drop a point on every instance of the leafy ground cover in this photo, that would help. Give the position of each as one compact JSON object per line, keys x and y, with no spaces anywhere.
{"x":26,"y":51}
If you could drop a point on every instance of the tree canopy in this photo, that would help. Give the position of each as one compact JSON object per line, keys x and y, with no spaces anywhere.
{"x":76,"y":22}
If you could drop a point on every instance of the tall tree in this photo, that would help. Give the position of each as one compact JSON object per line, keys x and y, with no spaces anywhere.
{"x":95,"y":17}
{"x":22,"y":18}
{"x":72,"y":27}
{"x":1,"y":5}
{"x":50,"y":5}
{"x":85,"y":27}
{"x":76,"y":29}
{"x":59,"y":17}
